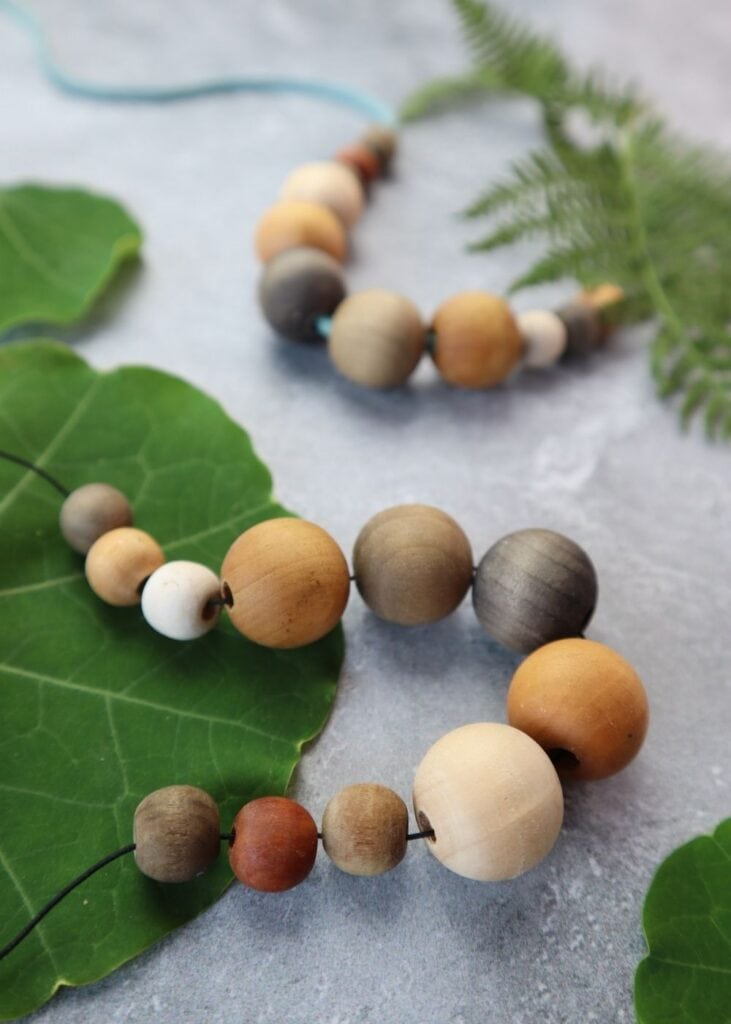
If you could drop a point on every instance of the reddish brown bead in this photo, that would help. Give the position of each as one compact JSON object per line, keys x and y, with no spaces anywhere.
{"x":362,"y":160}
{"x":274,"y":845}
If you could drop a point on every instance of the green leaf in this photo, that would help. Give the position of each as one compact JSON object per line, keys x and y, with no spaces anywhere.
{"x":59,"y":248}
{"x":686,"y":977}
{"x":99,"y":710}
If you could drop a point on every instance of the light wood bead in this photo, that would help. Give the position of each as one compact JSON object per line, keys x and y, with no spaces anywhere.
{"x":274,"y":845}
{"x":297,"y":287}
{"x":330,"y":184}
{"x":492,"y":797}
{"x":377,"y":338}
{"x":90,"y":511}
{"x":477,"y":341}
{"x":295,"y":223}
{"x":176,"y":600}
{"x":383,"y":141}
{"x":364,"y":829}
{"x":119,"y":562}
{"x":288,"y":581}
{"x":603,"y":296}
{"x":544,"y":338}
{"x":583,"y":703}
{"x":412,"y":564}
{"x":177,"y":832}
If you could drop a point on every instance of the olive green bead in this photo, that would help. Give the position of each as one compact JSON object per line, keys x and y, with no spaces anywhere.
{"x":177,"y":833}
{"x":364,"y":829}
{"x":297,"y":287}
{"x":90,"y":511}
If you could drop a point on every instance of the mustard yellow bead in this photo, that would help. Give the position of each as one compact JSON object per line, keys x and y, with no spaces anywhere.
{"x":295,"y":223}
{"x":477,"y":341}
{"x":119,"y":562}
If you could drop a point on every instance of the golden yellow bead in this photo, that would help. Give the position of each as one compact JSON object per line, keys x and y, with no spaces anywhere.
{"x":119,"y":562}
{"x":477,"y":341}
{"x":288,"y":225}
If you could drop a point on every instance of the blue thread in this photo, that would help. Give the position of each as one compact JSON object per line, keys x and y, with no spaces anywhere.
{"x":329,"y":91}
{"x":323,"y":326}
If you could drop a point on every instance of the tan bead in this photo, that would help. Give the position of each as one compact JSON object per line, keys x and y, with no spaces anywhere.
{"x":364,"y":829}
{"x":492,"y":797}
{"x":382,"y":141}
{"x":90,"y":511}
{"x":583,"y":703}
{"x":177,"y":832}
{"x":274,"y":845}
{"x":376,"y":339}
{"x":118,"y":564}
{"x":477,"y":341}
{"x":330,"y":184}
{"x":289,"y":225}
{"x":412,"y":564}
{"x":288,"y":581}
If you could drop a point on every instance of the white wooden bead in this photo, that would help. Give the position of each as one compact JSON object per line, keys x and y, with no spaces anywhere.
{"x":175,"y":601}
{"x":544,"y":338}
{"x":330,"y":184}
{"x":492,"y":797}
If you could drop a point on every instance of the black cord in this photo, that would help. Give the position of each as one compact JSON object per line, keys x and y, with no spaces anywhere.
{"x":9,"y":457}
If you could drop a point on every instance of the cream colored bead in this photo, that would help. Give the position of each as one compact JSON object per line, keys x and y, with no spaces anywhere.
{"x":492,"y":797}
{"x":330,"y":184}
{"x":376,"y":339}
{"x":544,"y":338}
{"x":176,"y":600}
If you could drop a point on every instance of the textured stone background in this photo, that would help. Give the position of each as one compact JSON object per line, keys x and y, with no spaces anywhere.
{"x":587,"y":450}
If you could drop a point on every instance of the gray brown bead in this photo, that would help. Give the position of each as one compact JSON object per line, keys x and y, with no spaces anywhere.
{"x":90,"y":511}
{"x":298,"y":286}
{"x":583,"y":328}
{"x":177,"y":832}
{"x":364,"y":829}
{"x":532,"y":587}
{"x":383,"y":142}
{"x":377,"y":338}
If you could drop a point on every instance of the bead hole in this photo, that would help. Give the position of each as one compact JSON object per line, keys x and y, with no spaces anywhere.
{"x":228,"y":598}
{"x":426,"y":826}
{"x":563,"y":760}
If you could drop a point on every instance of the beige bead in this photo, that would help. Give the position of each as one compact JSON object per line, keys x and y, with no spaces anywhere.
{"x":544,"y":338}
{"x":330,"y":184}
{"x":289,"y":225}
{"x":376,"y":339}
{"x":364,"y":829}
{"x":90,"y":511}
{"x":177,"y":832}
{"x":119,"y":562}
{"x":493,"y":799}
{"x":176,"y":601}
{"x":412,"y":564}
{"x":477,"y":343}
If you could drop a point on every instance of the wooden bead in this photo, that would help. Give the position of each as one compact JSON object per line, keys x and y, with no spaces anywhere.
{"x":292,"y":224}
{"x":119,"y":562}
{"x":330,"y":184}
{"x":492,"y":797}
{"x":274,"y":845}
{"x":534,"y":586}
{"x":477,"y":341}
{"x":583,"y":328}
{"x":603,"y":296}
{"x":376,"y":339}
{"x":176,"y":600}
{"x":583,"y":703}
{"x":544,"y":338}
{"x":90,"y":511}
{"x":362,"y":159}
{"x":382,"y":141}
{"x":288,"y":581}
{"x":412,"y":564}
{"x":297,"y":287}
{"x":364,"y":829}
{"x":177,"y":832}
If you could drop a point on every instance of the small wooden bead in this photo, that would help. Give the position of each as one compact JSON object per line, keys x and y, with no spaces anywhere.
{"x":544,"y":338}
{"x":176,"y":600}
{"x":412,"y":564}
{"x":288,"y":581}
{"x":292,"y":224}
{"x":330,"y":184}
{"x":477,"y":341}
{"x":297,"y":287}
{"x":362,"y":159}
{"x":583,"y":328}
{"x":364,"y":829}
{"x":603,"y":296}
{"x":583,"y":703}
{"x":534,"y":586}
{"x":274,"y":845}
{"x":492,"y":797}
{"x":383,"y":142}
{"x":177,"y":832}
{"x":119,"y":562}
{"x":90,"y":511}
{"x":376,"y":339}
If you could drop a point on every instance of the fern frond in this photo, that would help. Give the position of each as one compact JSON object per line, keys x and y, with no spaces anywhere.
{"x":447,"y":92}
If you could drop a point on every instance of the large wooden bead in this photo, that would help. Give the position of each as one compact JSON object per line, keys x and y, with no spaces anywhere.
{"x":295,"y":223}
{"x":412,"y":564}
{"x":329,"y":183}
{"x":493,"y":799}
{"x":534,"y":586}
{"x":364,"y":829}
{"x":477,"y":341}
{"x":288,"y":582}
{"x":274,"y":845}
{"x":177,"y":833}
{"x":544,"y":338}
{"x":297,"y":287}
{"x":90,"y":511}
{"x":119,"y":562}
{"x":176,"y":600}
{"x":583,"y":324}
{"x":376,"y":339}
{"x":583,"y":703}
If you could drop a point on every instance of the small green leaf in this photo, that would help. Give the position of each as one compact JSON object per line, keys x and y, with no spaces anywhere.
{"x":59,"y":248}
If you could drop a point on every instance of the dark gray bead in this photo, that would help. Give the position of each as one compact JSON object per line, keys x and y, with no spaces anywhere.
{"x":583,"y":329}
{"x":532,"y":587}
{"x":298,"y":286}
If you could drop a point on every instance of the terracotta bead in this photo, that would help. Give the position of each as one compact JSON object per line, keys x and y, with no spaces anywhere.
{"x":364,"y":829}
{"x":362,"y":159}
{"x":412,"y":564}
{"x":176,"y":601}
{"x":274,"y":845}
{"x":584,"y":331}
{"x":297,"y":287}
{"x":492,"y":797}
{"x":292,"y":224}
{"x":177,"y":832}
{"x":382,"y":141}
{"x":544,"y":338}
{"x":330,"y":184}
{"x":90,"y":511}
{"x":377,"y":338}
{"x":583,"y":703}
{"x":288,"y":581}
{"x":119,"y":562}
{"x":477,"y":341}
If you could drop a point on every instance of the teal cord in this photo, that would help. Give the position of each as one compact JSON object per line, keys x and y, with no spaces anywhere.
{"x":343,"y":95}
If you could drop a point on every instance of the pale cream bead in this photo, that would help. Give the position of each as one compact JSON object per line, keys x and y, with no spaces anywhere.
{"x":544,"y":338}
{"x":329,"y":183}
{"x":176,"y":600}
{"x":493,"y":799}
